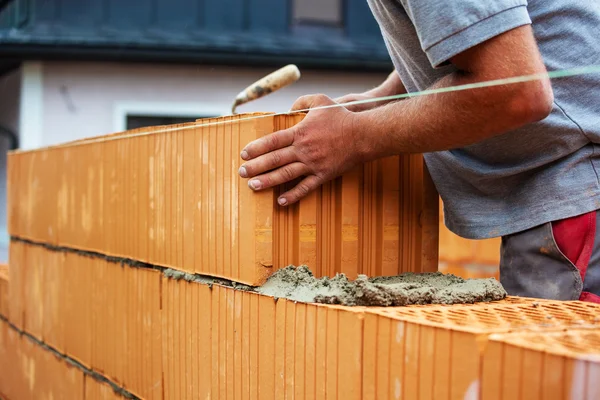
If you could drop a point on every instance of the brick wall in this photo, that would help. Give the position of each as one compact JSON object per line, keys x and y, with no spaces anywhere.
{"x":467,"y":258}
{"x":154,"y":337}
{"x":84,"y":324}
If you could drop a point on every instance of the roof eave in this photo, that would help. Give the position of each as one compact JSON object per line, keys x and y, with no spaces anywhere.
{"x":349,"y":61}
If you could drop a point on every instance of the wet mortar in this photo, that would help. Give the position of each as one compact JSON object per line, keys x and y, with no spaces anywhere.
{"x":299,"y":284}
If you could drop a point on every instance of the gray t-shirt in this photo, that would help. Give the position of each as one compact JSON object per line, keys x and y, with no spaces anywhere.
{"x":539,"y":173}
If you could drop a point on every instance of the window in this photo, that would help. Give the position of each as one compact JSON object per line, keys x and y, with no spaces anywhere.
{"x":140,"y":121}
{"x":317,"y":17}
{"x":317,"y":12}
{"x":139,"y":114}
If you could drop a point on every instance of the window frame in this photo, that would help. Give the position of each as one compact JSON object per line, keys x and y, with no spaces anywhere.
{"x":323,"y":26}
{"x":122,"y":110}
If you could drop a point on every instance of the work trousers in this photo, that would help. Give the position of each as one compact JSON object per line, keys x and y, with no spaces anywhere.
{"x":558,"y":260}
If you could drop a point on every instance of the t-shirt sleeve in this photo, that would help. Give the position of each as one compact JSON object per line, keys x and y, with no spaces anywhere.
{"x":448,"y":27}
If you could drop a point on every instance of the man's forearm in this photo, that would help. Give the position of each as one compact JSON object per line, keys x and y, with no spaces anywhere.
{"x":450,"y":120}
{"x":456,"y":119}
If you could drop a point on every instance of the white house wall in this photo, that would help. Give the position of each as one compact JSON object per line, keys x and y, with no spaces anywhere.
{"x":88,"y":99}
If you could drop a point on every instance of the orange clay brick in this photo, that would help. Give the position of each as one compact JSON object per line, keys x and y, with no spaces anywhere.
{"x":370,"y":346}
{"x":29,"y":371}
{"x":4,"y":290}
{"x":259,"y":350}
{"x":104,"y":315}
{"x":487,"y":251}
{"x":54,"y":317}
{"x":290,"y":347}
{"x":174,"y":198}
{"x":33,"y":281}
{"x":16,"y":271}
{"x":77,"y":307}
{"x":459,"y":334}
{"x":454,"y":249}
{"x":470,"y":271}
{"x":280,"y":345}
{"x":266,"y":349}
{"x":536,"y":365}
{"x":95,"y":390}
{"x":8,"y":349}
{"x":457,"y":251}
{"x":62,"y":379}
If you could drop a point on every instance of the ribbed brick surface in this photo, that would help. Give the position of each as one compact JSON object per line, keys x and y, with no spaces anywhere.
{"x":534,"y":365}
{"x":27,"y":371}
{"x":102,"y":314}
{"x":95,"y":390}
{"x":3,"y":289}
{"x":435,"y":352}
{"x":154,"y":335}
{"x":175,"y":199}
{"x":467,"y":258}
{"x":513,"y":314}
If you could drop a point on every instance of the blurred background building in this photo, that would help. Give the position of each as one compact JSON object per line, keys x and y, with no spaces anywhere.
{"x":76,"y":68}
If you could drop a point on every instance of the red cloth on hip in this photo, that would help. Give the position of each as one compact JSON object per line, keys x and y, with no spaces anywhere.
{"x":575,"y":238}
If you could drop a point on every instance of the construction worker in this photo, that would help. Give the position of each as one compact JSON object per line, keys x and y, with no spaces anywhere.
{"x":519,"y":161}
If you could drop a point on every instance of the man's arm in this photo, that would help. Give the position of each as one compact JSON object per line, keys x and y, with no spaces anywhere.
{"x":451,"y":120}
{"x":313,"y":149}
{"x":391,"y":86}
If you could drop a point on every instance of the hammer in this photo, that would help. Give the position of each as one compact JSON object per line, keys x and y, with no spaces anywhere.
{"x":270,"y":83}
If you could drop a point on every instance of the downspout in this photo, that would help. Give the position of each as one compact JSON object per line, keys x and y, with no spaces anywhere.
{"x":12,"y":137}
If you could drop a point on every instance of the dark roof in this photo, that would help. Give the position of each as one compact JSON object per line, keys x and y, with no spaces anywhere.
{"x":35,"y":32}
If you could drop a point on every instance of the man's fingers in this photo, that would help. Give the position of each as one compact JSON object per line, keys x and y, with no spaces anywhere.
{"x":281,"y":175}
{"x":268,"y":162}
{"x":303,"y":188}
{"x":266,"y":144}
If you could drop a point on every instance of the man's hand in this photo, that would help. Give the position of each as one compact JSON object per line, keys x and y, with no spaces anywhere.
{"x":319,"y":148}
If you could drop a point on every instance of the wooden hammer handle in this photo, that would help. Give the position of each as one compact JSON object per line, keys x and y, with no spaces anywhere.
{"x":270,"y":83}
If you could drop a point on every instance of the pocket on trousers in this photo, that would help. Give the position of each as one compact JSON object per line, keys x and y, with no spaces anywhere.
{"x":532,"y":265}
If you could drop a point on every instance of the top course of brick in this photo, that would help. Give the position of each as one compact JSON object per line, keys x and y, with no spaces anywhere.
{"x":173,"y":198}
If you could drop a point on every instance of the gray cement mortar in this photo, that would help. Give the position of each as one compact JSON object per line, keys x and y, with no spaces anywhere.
{"x":299,"y":284}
